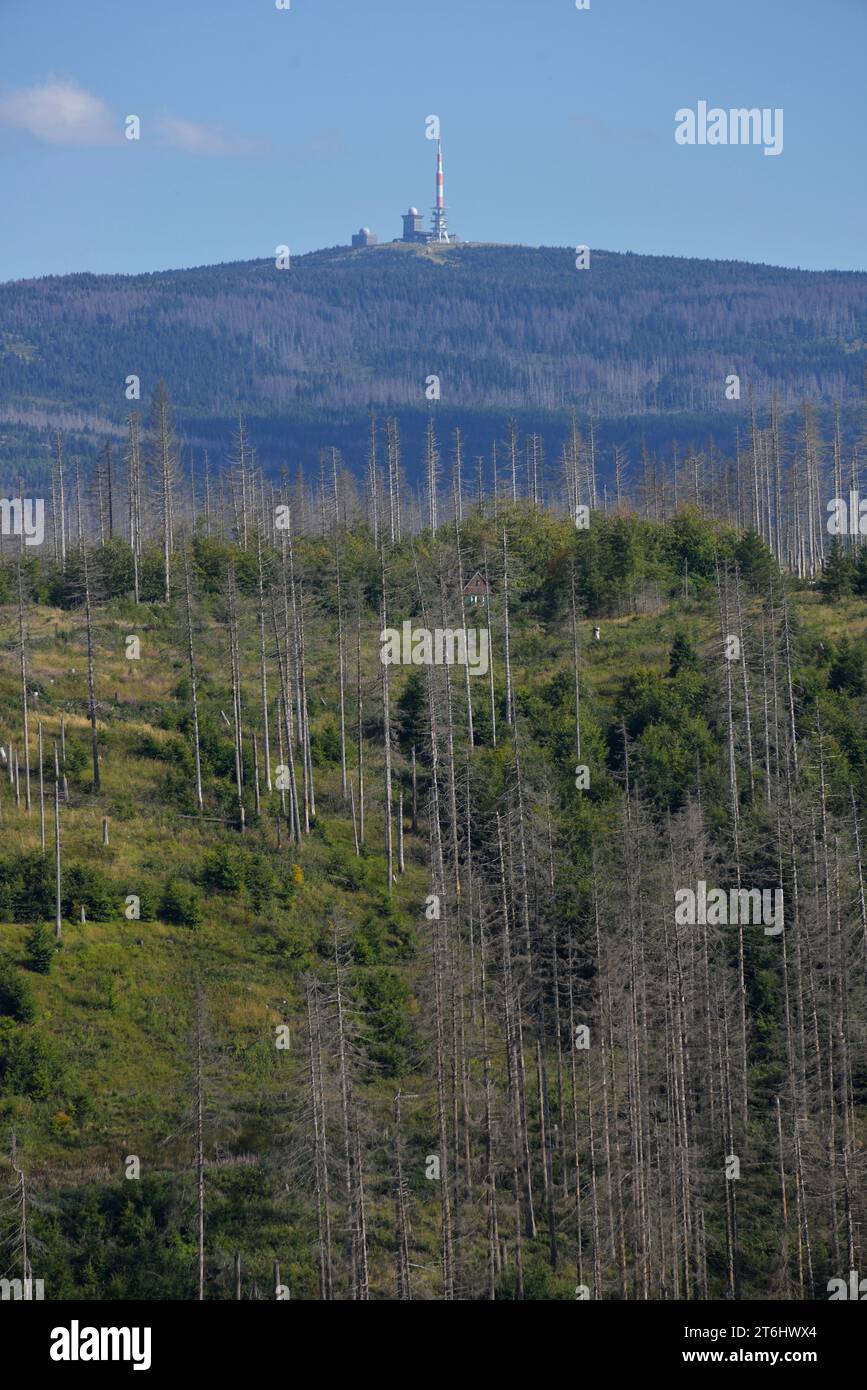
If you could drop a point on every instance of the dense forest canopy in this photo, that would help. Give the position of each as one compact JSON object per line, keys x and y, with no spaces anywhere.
{"x":645,"y":342}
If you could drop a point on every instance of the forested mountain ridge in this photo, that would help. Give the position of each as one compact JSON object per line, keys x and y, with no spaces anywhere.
{"x":506,"y":329}
{"x":433,"y":970}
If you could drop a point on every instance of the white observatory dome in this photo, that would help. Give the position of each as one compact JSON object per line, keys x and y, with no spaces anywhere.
{"x":413,"y":212}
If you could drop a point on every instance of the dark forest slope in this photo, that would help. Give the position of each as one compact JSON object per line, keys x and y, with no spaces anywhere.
{"x":308,"y":350}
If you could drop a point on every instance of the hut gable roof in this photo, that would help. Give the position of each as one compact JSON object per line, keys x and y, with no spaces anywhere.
{"x":476,"y":586}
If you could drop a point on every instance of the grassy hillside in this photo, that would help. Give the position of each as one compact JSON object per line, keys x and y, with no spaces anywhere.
{"x":100,"y":1064}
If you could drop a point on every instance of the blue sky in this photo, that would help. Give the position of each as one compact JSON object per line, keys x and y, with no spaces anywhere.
{"x":261,"y":127}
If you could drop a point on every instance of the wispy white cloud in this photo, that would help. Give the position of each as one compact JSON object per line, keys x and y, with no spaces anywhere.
{"x":60,"y":112}
{"x":195,"y":138}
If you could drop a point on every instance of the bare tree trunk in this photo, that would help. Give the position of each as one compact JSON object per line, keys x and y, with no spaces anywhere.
{"x":386,"y":730}
{"x":22,"y":648}
{"x":490,"y":1166}
{"x":294,"y":811}
{"x":306,"y":746}
{"x":470,"y":738}
{"x":360,"y":717}
{"x":404,"y":1288}
{"x":41,"y":792}
{"x":58,"y":927}
{"x":513,"y":1073}
{"x":234,"y":659}
{"x":340,"y":653}
{"x":263,"y":671}
{"x":575,"y":661}
{"x":193,"y":688}
{"x":61,"y":496}
{"x":439,"y":950}
{"x":320,"y":1164}
{"x":490,"y":656}
{"x":200,"y":1150}
{"x":133,"y":463}
{"x":165,"y":461}
{"x":91,"y":683}
{"x":507,"y":652}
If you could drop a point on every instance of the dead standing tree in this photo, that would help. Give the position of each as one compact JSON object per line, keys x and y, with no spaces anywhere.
{"x":22,"y":649}
{"x":164,"y":462}
{"x":356,"y":1229}
{"x":194,"y":699}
